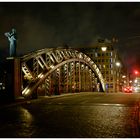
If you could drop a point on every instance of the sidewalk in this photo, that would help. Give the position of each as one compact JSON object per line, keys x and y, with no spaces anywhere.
{"x":22,"y":100}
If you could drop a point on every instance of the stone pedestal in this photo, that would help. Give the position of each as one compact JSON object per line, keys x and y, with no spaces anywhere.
{"x":13,"y":84}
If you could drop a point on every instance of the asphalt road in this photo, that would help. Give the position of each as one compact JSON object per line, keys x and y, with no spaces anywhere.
{"x":81,"y":115}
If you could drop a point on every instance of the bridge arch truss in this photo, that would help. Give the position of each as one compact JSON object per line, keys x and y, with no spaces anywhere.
{"x":56,"y":71}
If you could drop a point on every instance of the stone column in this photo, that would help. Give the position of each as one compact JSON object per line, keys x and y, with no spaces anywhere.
{"x":13,"y":84}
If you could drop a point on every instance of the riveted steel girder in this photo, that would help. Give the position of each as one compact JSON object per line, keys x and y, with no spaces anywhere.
{"x":73,"y":69}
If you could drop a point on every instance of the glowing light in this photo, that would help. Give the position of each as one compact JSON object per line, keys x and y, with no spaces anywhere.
{"x":118,"y":64}
{"x":80,"y":56}
{"x":88,"y":59}
{"x":136,"y":72}
{"x":123,"y":76}
{"x":40,"y":75}
{"x":26,"y":91}
{"x":52,"y":66}
{"x":77,"y":63}
{"x":104,"y":49}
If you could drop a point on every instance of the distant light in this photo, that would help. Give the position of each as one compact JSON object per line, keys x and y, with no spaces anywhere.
{"x":104,"y":49}
{"x":82,"y":66}
{"x":77,"y":63}
{"x":118,"y":64}
{"x":123,"y":76}
{"x":136,"y":72}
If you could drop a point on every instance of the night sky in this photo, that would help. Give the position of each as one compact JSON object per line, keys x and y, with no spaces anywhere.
{"x":78,"y":24}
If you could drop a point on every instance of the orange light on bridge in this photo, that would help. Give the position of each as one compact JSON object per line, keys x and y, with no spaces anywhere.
{"x":25,"y":91}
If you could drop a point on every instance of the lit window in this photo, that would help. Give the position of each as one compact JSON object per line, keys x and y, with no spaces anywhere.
{"x":111,"y":65}
{"x":96,"y":55}
{"x":111,"y":71}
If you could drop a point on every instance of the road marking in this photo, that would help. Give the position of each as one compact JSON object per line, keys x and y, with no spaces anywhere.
{"x":104,"y":104}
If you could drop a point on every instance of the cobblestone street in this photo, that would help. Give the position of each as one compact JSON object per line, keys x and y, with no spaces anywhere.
{"x":85,"y":115}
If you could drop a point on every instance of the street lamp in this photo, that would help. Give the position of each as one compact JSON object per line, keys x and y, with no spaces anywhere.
{"x":124,"y":81}
{"x":104,"y":48}
{"x":118,"y":64}
{"x":123,"y":76}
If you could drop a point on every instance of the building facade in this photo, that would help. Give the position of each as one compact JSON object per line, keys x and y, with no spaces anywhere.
{"x":109,"y":62}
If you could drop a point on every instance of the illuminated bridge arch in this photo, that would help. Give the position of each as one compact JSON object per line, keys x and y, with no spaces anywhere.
{"x":56,"y":71}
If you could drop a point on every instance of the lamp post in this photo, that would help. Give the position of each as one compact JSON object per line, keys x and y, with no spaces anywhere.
{"x":124,"y":83}
{"x":118,"y":64}
{"x":136,"y":75}
{"x":104,"y":49}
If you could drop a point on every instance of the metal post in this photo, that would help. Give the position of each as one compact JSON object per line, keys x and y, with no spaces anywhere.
{"x":84,"y":78}
{"x":79,"y":76}
{"x":59,"y":89}
{"x":74,"y":85}
{"x":67,"y":76}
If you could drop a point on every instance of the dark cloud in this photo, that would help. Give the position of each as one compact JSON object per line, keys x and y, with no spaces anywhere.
{"x":79,"y":24}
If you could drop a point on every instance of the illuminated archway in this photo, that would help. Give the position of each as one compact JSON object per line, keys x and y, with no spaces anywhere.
{"x":72,"y":69}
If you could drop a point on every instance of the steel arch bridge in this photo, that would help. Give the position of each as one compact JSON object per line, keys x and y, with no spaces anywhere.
{"x":57,"y":71}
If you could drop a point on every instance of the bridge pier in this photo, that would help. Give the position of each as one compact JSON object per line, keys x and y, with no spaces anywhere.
{"x":13,"y":84}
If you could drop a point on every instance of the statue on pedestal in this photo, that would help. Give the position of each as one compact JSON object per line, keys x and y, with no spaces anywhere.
{"x":12,"y":37}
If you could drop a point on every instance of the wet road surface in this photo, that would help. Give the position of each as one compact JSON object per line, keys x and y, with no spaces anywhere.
{"x":84,"y":115}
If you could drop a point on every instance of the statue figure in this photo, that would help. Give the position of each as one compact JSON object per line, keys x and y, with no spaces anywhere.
{"x":13,"y":41}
